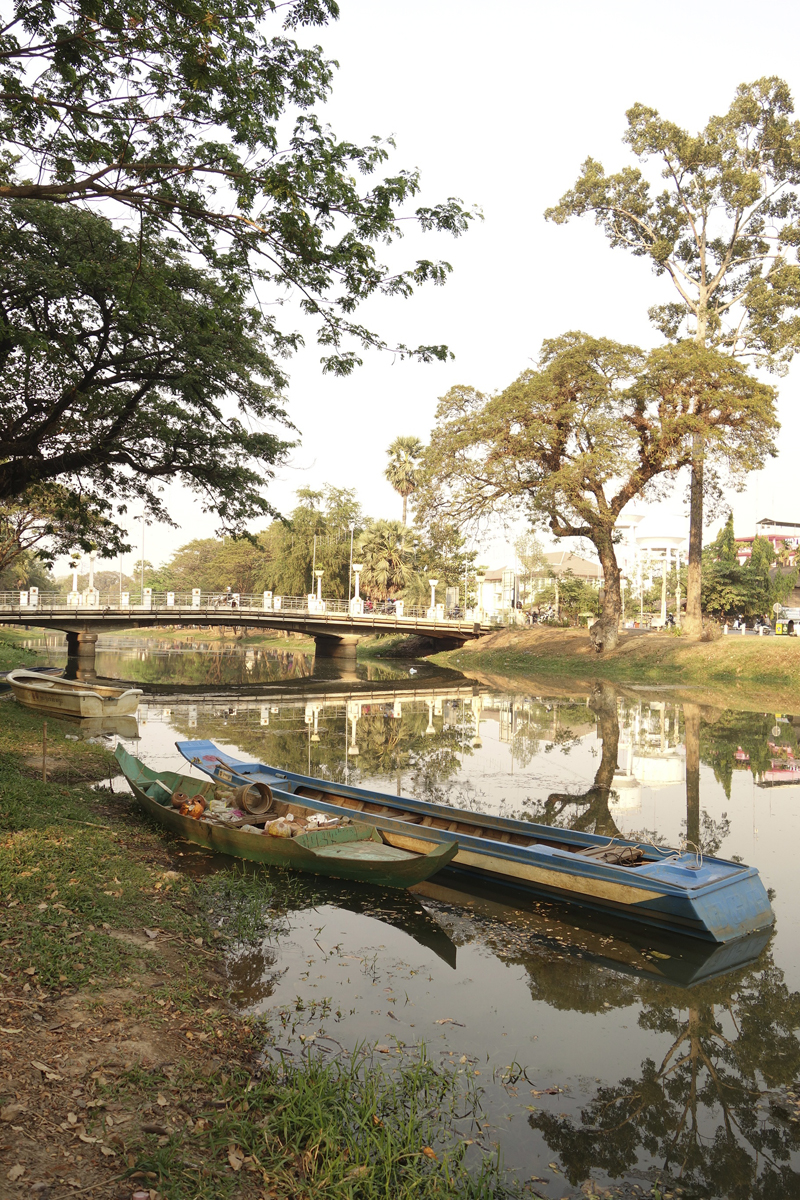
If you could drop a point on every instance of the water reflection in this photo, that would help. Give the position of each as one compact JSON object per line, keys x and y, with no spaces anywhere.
{"x":645,"y":1056}
{"x":699,"y":1106}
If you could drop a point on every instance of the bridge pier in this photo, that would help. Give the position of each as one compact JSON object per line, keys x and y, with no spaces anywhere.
{"x":341,"y":648}
{"x":80,"y":654}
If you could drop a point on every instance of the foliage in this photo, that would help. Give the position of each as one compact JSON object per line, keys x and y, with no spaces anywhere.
{"x":25,"y":570}
{"x":385,"y":548}
{"x":202,"y":122}
{"x":724,"y":229}
{"x":575,"y":597}
{"x":124,"y":365}
{"x":403,"y":469}
{"x":574,"y":440}
{"x":440,"y":553}
{"x":747,"y":589}
{"x":317,"y":536}
{"x":47,"y":520}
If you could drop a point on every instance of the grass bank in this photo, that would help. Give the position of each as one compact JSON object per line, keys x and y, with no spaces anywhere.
{"x":13,"y":653}
{"x":650,"y":658}
{"x":123,"y":1065}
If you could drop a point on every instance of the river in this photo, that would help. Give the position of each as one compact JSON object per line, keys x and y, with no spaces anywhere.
{"x":601,"y":1053}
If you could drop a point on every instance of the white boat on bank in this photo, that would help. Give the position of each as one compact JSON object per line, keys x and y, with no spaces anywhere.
{"x":71,"y":697}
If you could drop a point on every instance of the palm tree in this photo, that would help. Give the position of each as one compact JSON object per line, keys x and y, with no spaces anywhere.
{"x":403,"y":469}
{"x":385,"y":548}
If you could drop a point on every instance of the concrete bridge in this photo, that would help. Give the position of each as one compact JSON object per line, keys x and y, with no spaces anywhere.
{"x":335,"y":625}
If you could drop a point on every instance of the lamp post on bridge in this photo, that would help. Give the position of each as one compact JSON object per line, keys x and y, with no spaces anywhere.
{"x":352,"y":527}
{"x":432,"y":610}
{"x":357,"y":604}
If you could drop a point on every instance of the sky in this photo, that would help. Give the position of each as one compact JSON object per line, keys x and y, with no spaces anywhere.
{"x":499,"y":104}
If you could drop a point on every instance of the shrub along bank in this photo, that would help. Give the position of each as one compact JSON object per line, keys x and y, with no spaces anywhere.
{"x":122,"y":1064}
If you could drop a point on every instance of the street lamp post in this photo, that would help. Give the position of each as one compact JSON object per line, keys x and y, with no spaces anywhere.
{"x":357,"y":604}
{"x":350,"y":575}
{"x":432,"y":610}
{"x":141,"y":565}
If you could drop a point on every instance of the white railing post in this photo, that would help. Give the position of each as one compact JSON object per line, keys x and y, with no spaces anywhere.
{"x":170,"y":599}
{"x":23,"y":599}
{"x":124,"y":599}
{"x":196,"y":594}
{"x":267,"y":602}
{"x":147,"y":597}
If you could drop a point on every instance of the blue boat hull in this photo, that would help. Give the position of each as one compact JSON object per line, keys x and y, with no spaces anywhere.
{"x":716,"y":900}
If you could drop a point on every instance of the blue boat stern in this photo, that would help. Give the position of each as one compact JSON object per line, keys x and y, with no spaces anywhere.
{"x":726,"y":900}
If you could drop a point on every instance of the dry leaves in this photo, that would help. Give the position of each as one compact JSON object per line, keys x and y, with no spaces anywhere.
{"x":428,"y":1152}
{"x":16,"y":1173}
{"x":236,"y":1159}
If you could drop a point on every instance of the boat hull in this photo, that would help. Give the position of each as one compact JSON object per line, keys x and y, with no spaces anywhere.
{"x":70,"y":698}
{"x":363,"y":860}
{"x":717,"y":901}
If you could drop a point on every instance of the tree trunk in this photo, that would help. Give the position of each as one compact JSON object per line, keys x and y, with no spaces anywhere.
{"x":693,"y":623}
{"x":597,"y":817}
{"x":405,"y":509}
{"x":605,"y":632}
{"x":691,"y":732}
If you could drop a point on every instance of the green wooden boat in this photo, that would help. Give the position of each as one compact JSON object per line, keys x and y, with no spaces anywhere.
{"x":355,"y":851}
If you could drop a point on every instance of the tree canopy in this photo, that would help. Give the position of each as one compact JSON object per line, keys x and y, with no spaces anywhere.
{"x":724,"y":228}
{"x":202,"y":122}
{"x":572,"y":441}
{"x":124,"y":366}
{"x":403,"y":469}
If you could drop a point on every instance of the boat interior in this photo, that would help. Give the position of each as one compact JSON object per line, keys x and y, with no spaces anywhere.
{"x":613,"y":853}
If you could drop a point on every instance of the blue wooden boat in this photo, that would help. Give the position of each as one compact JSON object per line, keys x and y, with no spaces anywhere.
{"x":709,"y":898}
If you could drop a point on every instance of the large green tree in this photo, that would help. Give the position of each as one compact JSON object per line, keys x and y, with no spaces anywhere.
{"x":202,"y":120}
{"x":723,"y":228}
{"x":572,"y":441}
{"x":386,"y":549}
{"x":125,"y":366}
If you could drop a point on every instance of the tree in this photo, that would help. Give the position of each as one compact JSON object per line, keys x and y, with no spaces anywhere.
{"x":403,"y":469}
{"x":122,"y":367}
{"x":751,"y":588}
{"x":724,"y":230}
{"x":573,"y":441}
{"x":316,"y":535}
{"x":48,"y":520}
{"x":385,"y":548}
{"x":201,"y":121}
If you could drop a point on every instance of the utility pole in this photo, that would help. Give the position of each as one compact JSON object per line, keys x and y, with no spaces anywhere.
{"x":350,"y":573}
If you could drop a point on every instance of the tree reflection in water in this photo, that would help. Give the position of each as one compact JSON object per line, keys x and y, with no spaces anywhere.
{"x":698,"y":1108}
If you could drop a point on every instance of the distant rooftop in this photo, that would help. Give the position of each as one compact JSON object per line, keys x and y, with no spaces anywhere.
{"x":781,"y":524}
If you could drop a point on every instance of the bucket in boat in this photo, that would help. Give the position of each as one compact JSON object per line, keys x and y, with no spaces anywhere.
{"x":156,"y":791}
{"x":254,"y":798}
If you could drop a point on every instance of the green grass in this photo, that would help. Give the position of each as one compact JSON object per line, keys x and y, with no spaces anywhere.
{"x":342,"y":1130}
{"x":78,"y":866}
{"x":12,"y":653}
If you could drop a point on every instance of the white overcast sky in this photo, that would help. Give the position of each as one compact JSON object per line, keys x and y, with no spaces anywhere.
{"x":499,"y":103}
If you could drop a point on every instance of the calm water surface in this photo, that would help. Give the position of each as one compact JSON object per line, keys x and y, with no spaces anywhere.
{"x":603,"y":1053}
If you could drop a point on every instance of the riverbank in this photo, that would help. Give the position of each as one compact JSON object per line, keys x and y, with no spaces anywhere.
{"x":123,"y":1064}
{"x":13,"y":653}
{"x":640,"y":657}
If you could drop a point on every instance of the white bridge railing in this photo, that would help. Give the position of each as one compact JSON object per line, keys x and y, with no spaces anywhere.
{"x":196,"y":600}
